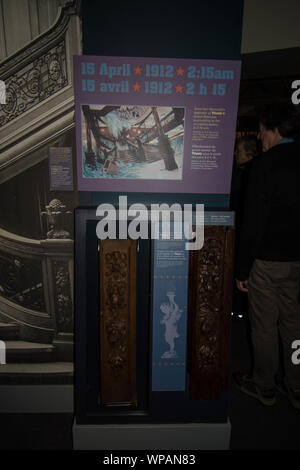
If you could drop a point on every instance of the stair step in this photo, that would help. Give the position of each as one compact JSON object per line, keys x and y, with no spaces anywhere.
{"x":37,"y":373}
{"x":9,"y":331}
{"x":25,"y":351}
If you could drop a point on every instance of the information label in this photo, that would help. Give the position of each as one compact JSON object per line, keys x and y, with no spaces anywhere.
{"x":61,"y":168}
{"x":170,"y":295}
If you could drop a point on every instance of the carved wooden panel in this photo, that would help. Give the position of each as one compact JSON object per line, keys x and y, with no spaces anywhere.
{"x":210,"y":291}
{"x":117,"y":322}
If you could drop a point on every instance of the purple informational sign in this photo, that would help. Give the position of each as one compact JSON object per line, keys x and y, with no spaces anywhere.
{"x":155,"y":125}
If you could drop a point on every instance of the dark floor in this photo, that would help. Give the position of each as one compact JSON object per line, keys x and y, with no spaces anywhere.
{"x":254,"y":426}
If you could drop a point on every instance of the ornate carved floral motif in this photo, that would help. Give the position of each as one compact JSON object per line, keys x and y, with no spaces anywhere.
{"x":210,"y":284}
{"x":115,"y":270}
{"x":116,"y":360}
{"x":116,"y":330}
{"x":209,"y":287}
{"x":115,"y":265}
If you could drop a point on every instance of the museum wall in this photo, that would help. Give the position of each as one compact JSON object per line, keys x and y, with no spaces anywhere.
{"x":269,"y":25}
{"x":36,"y":239}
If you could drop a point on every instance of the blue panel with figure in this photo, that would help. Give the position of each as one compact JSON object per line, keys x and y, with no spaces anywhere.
{"x":170,"y":295}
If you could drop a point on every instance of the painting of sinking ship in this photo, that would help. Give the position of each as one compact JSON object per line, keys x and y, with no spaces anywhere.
{"x":132,"y":142}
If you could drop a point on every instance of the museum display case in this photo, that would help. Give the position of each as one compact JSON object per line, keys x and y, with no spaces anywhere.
{"x":152,"y":325}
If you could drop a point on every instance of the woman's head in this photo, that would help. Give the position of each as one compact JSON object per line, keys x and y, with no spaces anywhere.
{"x":246,"y":148}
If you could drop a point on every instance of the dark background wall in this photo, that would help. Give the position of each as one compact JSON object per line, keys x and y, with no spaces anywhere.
{"x":165,"y":28}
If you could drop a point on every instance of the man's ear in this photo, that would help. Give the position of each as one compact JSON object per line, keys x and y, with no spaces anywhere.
{"x":277,"y":133}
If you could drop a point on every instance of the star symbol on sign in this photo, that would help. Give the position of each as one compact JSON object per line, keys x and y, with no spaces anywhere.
{"x":179,"y":88}
{"x":138,"y":70}
{"x":180,"y":71}
{"x":136,"y":87}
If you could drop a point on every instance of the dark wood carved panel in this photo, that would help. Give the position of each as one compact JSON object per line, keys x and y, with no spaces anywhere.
{"x":117,"y":322}
{"x":210,"y":292}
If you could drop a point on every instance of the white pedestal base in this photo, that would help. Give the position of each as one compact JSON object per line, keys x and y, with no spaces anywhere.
{"x":191,"y":436}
